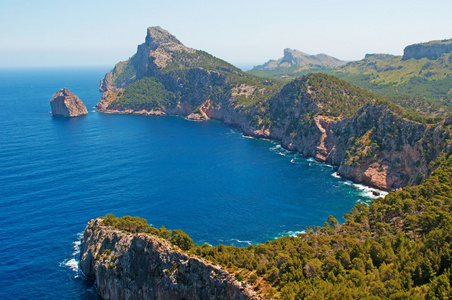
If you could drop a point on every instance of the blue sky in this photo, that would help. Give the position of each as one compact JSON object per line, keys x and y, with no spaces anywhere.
{"x":245,"y":33}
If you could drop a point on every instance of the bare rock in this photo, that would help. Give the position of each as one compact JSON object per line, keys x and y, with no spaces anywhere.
{"x":66,"y":104}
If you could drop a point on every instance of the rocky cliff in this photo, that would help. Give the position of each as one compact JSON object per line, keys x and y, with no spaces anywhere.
{"x":66,"y":104}
{"x":317,"y":114}
{"x":430,"y":50}
{"x":143,"y":266}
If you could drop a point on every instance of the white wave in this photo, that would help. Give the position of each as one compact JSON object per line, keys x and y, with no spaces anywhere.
{"x":311,"y":159}
{"x":364,"y":191}
{"x":73,"y":262}
{"x":253,"y":138}
{"x":336,"y":175}
{"x":293,"y":233}
{"x":242,"y":242}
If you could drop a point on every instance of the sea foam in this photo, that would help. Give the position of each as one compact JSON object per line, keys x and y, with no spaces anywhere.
{"x":73,"y":262}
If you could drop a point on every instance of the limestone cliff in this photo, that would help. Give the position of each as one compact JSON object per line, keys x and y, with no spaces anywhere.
{"x":430,"y":50}
{"x":142,"y":266}
{"x":66,"y":104}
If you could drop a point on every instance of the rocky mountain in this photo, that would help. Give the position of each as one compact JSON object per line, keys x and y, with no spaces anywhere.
{"x":294,"y":58}
{"x":128,"y":265}
{"x":371,"y":140}
{"x":295,"y":63}
{"x":66,"y":104}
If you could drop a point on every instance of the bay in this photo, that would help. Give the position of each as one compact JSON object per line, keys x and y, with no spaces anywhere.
{"x":205,"y":178}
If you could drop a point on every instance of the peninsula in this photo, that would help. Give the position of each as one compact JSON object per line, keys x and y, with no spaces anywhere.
{"x":370,"y":139}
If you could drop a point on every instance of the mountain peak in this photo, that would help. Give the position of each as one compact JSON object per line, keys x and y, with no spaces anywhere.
{"x":157,"y":36}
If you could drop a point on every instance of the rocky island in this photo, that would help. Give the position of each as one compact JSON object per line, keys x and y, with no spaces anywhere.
{"x":371,"y":140}
{"x":66,"y":104}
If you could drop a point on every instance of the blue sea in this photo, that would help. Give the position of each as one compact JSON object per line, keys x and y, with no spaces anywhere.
{"x":205,"y":178}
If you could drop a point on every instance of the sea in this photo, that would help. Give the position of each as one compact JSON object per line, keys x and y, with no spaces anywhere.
{"x":205,"y":178}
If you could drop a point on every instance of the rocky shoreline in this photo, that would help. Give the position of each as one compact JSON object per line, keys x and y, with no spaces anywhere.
{"x":324,"y":144}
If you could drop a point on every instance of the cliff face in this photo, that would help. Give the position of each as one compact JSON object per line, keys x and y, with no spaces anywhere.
{"x":431,"y":50}
{"x":158,"y":51}
{"x":140,"y":266}
{"x":66,"y":104}
{"x":374,"y":146}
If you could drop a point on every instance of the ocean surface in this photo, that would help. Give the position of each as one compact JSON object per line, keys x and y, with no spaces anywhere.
{"x":205,"y":178}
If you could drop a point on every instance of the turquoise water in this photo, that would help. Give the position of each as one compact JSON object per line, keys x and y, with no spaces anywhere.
{"x":202,"y":177}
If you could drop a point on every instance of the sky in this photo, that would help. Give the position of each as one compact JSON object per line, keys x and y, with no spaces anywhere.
{"x":50,"y":33}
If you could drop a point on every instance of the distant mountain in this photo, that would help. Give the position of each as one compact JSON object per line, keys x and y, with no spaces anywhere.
{"x":293,"y":58}
{"x":420,"y":80}
{"x":296,"y":62}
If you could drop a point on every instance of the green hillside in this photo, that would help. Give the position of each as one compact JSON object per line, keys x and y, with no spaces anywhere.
{"x":422,"y":84}
{"x":420,"y":81}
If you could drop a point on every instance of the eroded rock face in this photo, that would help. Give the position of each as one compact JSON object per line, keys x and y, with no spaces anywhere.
{"x":140,"y":266}
{"x":66,"y":104}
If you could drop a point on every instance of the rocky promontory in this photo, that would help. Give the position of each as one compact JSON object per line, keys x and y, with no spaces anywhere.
{"x":367,"y":137}
{"x":66,"y":104}
{"x":131,"y":266}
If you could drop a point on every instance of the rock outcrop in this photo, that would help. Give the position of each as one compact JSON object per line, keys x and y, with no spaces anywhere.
{"x":141,"y":266}
{"x":430,"y":50}
{"x":158,"y":50}
{"x":66,"y":104}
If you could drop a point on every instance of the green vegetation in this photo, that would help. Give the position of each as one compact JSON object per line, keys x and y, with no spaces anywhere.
{"x":146,"y":93}
{"x":289,"y":73}
{"x":422,"y":85}
{"x":124,"y":73}
{"x":419,"y":85}
{"x":140,"y":225}
{"x":398,"y":247}
{"x":194,"y":80}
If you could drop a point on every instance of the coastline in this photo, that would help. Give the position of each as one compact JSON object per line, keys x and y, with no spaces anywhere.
{"x":359,"y":185}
